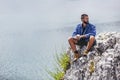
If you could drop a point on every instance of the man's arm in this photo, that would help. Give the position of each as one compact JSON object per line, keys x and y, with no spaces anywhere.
{"x":92,"y":32}
{"x":76,"y":31}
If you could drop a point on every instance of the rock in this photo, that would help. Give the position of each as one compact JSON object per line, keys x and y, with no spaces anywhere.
{"x":105,"y":56}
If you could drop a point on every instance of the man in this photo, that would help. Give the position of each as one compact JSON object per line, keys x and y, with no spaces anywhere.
{"x":84,"y":34}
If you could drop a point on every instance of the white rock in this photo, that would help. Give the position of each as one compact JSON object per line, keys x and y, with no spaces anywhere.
{"x":107,"y":63}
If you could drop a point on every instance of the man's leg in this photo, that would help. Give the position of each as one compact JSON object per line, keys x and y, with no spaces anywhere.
{"x":72,"y":43}
{"x":89,"y":44}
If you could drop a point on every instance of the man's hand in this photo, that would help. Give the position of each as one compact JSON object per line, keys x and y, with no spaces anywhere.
{"x":78,"y":37}
{"x":83,"y":36}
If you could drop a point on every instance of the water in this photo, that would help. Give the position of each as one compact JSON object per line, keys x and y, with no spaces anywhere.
{"x":26,"y":51}
{"x":31,"y":32}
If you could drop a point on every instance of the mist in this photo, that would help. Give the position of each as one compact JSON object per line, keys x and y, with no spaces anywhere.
{"x":41,"y":13}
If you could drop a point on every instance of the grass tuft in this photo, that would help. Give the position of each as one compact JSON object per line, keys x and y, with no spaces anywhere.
{"x":63,"y":62}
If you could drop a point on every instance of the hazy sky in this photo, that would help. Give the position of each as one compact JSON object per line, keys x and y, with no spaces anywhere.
{"x":58,"y":11}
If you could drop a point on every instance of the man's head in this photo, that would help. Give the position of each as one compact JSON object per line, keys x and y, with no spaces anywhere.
{"x":84,"y":18}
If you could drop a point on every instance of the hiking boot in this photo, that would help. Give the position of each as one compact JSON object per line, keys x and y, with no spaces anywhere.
{"x":76,"y":56}
{"x":85,"y":53}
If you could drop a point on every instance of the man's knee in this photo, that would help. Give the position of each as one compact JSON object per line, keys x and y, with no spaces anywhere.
{"x":70,"y":39}
{"x":92,"y":37}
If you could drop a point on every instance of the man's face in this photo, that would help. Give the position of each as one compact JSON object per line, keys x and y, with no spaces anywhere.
{"x":85,"y":19}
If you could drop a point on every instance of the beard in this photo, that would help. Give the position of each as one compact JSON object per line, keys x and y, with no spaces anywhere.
{"x":86,"y":22}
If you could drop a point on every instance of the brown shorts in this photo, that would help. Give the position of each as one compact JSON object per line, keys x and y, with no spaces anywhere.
{"x":83,"y":42}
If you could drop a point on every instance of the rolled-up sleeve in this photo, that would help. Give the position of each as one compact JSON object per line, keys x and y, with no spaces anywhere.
{"x":75,"y":31}
{"x":92,"y":32}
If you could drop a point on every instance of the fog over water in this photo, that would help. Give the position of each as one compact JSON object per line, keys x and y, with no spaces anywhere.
{"x":32,"y":31}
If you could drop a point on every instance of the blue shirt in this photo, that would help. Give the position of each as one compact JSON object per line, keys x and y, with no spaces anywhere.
{"x":89,"y":30}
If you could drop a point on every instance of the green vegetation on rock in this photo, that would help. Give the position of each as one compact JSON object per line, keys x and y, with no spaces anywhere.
{"x":63,"y":62}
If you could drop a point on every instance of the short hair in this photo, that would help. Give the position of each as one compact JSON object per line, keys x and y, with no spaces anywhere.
{"x":83,"y":15}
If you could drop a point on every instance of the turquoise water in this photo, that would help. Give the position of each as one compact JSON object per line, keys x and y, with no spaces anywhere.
{"x":31,"y":32}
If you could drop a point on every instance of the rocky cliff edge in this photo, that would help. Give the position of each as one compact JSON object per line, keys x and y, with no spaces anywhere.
{"x":102,"y":62}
